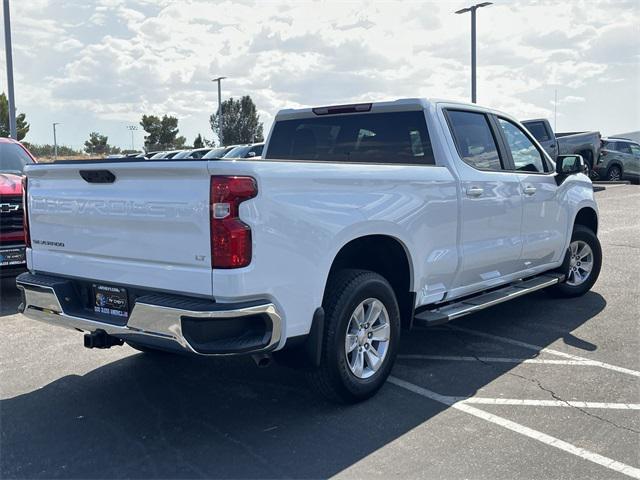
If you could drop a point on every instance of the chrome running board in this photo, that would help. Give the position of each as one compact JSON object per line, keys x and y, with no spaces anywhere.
{"x":451,"y":311}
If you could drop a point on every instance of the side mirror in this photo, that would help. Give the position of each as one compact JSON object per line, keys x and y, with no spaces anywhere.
{"x":569,"y":165}
{"x":251,"y":154}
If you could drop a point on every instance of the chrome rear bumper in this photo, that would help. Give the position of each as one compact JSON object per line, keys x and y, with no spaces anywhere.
{"x":154,"y":319}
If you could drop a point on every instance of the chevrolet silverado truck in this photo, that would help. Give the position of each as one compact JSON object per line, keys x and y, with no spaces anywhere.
{"x":13,"y":158}
{"x":359,"y":221}
{"x":585,"y":144}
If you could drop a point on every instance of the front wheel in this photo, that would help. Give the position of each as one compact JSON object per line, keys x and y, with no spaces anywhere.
{"x":583,"y":266}
{"x":614,"y":174}
{"x":362,"y":330}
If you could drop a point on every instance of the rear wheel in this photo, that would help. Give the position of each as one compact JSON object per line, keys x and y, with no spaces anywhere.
{"x":362,"y":330}
{"x":614,"y":174}
{"x":583,"y":266}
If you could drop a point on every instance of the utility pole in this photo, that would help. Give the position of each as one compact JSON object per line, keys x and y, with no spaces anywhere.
{"x":219,"y":80}
{"x":555,"y":112}
{"x":473,"y":9}
{"x":8,"y":52}
{"x":132,"y":128}
{"x":55,"y":141}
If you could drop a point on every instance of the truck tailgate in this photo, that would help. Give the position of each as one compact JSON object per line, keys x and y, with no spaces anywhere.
{"x":149,"y":227}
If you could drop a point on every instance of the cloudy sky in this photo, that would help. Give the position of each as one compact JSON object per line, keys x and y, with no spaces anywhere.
{"x":99,"y":65}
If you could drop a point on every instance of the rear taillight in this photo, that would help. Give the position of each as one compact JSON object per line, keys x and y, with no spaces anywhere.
{"x":25,"y":213}
{"x":230,"y":236}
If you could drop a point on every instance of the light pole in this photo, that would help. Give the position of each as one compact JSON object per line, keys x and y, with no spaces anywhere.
{"x":473,"y":9}
{"x":9,"y":54}
{"x":219,"y":80}
{"x":132,"y":128}
{"x":55,"y":141}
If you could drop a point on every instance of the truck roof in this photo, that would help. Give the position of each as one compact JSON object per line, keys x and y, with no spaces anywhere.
{"x":400,"y":105}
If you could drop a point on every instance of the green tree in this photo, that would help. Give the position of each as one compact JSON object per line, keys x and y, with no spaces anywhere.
{"x":46,"y":150}
{"x":98,"y":144}
{"x":240,"y":121}
{"x":180,"y":142}
{"x":22,"y":127}
{"x":198,"y":142}
{"x":162,"y":133}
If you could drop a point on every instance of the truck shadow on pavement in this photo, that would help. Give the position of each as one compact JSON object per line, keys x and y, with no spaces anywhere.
{"x":9,"y":296}
{"x":160,"y":415}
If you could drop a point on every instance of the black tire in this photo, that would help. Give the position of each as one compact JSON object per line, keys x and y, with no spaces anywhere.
{"x":345,"y":291}
{"x":588,"y":162}
{"x":564,"y":289}
{"x":614,"y":174}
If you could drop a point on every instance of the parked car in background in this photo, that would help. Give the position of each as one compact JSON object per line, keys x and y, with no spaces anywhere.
{"x":165,"y":155}
{"x":246,"y":151}
{"x":192,"y":154}
{"x":619,"y":160}
{"x":13,"y":158}
{"x":586,"y":144}
{"x":219,"y":152}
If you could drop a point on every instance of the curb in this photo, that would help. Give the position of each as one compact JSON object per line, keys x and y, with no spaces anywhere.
{"x":604,"y":182}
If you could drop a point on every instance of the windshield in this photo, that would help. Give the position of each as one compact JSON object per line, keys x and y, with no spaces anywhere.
{"x":238,"y":152}
{"x":216,"y":153}
{"x":183,"y":154}
{"x":13,"y":158}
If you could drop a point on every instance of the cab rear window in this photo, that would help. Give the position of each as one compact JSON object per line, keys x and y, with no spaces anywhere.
{"x":393,"y":137}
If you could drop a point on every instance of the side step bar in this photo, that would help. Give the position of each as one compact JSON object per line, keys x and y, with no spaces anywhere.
{"x":446,"y":313}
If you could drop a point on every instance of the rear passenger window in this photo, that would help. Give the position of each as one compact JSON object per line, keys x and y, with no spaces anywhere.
{"x":394,"y":137}
{"x":624,"y":147}
{"x":539,"y":131}
{"x":526,"y":156}
{"x":474,"y":139}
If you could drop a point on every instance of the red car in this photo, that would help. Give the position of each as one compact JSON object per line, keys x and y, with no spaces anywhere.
{"x":13,"y":158}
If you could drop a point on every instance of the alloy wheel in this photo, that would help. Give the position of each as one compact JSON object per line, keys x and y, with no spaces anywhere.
{"x":580,"y":264}
{"x":614,"y":174}
{"x":367,"y":340}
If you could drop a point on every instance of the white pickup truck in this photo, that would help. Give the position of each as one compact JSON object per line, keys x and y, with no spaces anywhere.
{"x":359,"y":221}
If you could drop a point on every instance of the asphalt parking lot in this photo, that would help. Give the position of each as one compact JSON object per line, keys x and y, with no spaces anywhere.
{"x":536,"y":388}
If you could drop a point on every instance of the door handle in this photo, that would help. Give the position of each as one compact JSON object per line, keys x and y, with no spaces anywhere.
{"x":474,"y":191}
{"x":529,"y":190}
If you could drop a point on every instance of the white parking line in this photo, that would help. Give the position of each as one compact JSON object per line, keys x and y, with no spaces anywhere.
{"x":521,"y":429}
{"x":454,"y":358}
{"x":549,"y":403}
{"x":538,"y":348}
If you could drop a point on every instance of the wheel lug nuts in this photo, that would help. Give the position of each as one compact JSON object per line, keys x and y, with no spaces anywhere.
{"x":369,"y":335}
{"x":366,"y":345}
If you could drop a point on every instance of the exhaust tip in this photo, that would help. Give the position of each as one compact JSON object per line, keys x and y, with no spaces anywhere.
{"x":262,"y":360}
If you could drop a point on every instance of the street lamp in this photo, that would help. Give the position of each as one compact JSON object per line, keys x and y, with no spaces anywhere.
{"x":473,"y":9}
{"x":55,"y":141}
{"x":132,"y":128}
{"x":219,"y":80}
{"x":7,"y":48}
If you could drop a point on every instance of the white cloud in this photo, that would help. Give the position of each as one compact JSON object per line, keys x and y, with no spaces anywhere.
{"x":572,"y":99}
{"x":105,"y":63}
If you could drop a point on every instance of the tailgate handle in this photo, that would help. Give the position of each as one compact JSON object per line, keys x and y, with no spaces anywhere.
{"x":98,"y":176}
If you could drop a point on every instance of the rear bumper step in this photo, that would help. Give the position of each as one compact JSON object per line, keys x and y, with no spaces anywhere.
{"x":164,"y":321}
{"x":449,"y":312}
